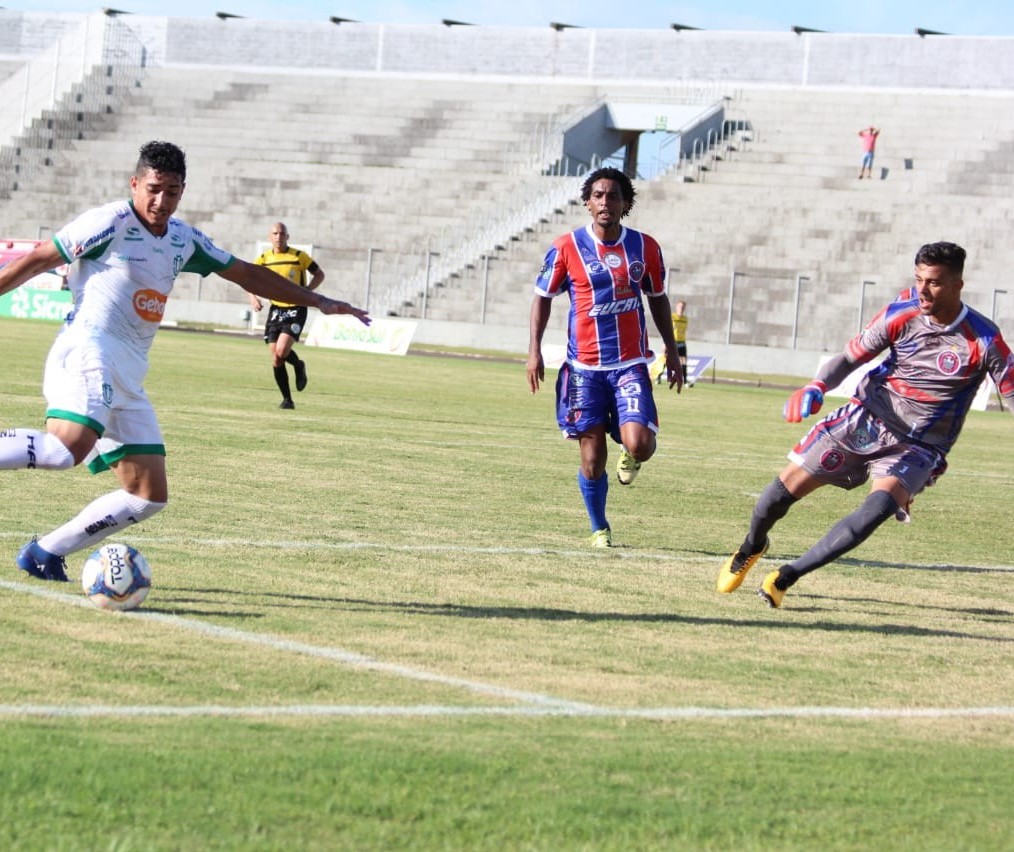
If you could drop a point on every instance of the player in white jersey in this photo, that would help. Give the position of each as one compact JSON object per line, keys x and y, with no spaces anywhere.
{"x":905,"y":416}
{"x":123,"y":259}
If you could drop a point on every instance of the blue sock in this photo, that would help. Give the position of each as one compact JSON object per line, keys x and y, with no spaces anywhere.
{"x":594,"y":493}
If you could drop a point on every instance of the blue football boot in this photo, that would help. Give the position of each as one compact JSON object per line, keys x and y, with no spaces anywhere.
{"x":41,"y":563}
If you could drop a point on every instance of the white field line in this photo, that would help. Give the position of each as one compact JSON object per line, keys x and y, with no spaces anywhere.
{"x":529,"y":704}
{"x":337,"y":655}
{"x":620,"y":552}
{"x":658,"y":714}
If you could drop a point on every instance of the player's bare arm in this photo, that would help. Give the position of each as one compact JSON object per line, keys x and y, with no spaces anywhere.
{"x":260,"y":281}
{"x":42,"y":258}
{"x":659,"y":307}
{"x":537,"y":322}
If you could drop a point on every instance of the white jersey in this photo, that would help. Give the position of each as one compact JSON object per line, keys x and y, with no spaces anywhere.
{"x":120,"y":274}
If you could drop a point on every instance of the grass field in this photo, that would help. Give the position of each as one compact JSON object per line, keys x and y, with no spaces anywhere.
{"x":375,"y":625}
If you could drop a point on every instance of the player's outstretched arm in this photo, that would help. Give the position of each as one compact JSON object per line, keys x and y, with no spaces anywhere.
{"x":42,"y":258}
{"x":261,"y":281}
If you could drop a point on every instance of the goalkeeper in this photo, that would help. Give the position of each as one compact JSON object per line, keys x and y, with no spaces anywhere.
{"x":897,"y":429}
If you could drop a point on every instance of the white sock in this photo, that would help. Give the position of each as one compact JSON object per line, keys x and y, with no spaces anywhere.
{"x":104,"y":516}
{"x":30,"y":448}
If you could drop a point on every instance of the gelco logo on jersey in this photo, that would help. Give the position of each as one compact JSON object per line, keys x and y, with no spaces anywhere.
{"x":150,"y":305}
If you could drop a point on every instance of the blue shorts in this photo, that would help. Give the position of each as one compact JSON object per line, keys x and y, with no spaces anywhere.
{"x":868,"y":160}
{"x":587,"y":398}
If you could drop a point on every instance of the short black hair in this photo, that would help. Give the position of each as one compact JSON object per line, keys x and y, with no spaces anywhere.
{"x":609,"y":173}
{"x":949,"y":255}
{"x":162,"y":157}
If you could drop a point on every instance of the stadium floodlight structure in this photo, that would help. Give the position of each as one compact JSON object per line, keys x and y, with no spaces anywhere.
{"x":559,"y":27}
{"x":112,"y":13}
{"x":801,"y":30}
{"x":681,"y":27}
{"x":334,"y":19}
{"x":450,"y":22}
{"x":224,"y":16}
{"x":922,"y":33}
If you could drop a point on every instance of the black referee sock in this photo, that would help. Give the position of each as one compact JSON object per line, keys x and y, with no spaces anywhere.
{"x":282,"y":380}
{"x":849,"y":532}
{"x":773,"y":505}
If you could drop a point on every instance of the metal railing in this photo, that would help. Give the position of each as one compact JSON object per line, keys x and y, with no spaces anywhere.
{"x":62,"y":92}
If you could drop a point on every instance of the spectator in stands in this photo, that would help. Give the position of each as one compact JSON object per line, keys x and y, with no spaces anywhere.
{"x":604,"y":384}
{"x":903,"y":419}
{"x":122,"y":260}
{"x":286,"y":321}
{"x":679,"y":331}
{"x":868,"y":137}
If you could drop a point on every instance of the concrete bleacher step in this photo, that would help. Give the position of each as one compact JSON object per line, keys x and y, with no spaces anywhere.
{"x":354,"y":163}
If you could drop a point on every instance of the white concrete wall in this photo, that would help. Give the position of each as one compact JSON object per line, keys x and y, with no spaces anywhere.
{"x":512,"y":341}
{"x":820,"y":59}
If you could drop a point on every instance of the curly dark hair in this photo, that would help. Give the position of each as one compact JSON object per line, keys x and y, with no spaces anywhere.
{"x":609,"y":173}
{"x":162,"y":157}
{"x":949,"y":255}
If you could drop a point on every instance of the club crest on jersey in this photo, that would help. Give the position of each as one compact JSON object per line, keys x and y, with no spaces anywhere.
{"x":636,"y":271}
{"x":832,"y":460}
{"x":107,"y":394}
{"x":948,"y":363}
{"x":861,"y":439}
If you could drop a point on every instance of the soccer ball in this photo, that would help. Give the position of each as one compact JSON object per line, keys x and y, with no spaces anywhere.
{"x":116,"y":576}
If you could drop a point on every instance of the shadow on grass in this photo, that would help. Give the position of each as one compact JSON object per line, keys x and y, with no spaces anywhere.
{"x":450,"y":610}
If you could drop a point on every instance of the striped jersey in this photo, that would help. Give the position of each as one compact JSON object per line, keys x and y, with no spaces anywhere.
{"x":606,"y":326}
{"x":120,"y":274}
{"x":925,"y":387}
{"x":292,"y":264}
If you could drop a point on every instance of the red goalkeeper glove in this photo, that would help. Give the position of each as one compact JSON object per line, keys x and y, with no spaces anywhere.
{"x":804,"y":402}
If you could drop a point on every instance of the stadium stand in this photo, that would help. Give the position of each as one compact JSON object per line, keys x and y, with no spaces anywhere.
{"x":436,"y":195}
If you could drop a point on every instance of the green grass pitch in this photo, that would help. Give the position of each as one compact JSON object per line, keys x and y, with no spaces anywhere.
{"x":375,"y":624}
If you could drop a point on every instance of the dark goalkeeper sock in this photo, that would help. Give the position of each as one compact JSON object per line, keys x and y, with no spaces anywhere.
{"x":773,"y":505}
{"x":849,"y":532}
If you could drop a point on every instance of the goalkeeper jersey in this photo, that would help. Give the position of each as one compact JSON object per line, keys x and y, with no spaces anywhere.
{"x":925,"y":387}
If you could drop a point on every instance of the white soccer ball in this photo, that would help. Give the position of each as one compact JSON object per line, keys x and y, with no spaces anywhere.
{"x":116,"y":576}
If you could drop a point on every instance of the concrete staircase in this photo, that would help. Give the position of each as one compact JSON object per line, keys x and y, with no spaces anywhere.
{"x":783,"y":230}
{"x":350,"y":163}
{"x":777,"y":243}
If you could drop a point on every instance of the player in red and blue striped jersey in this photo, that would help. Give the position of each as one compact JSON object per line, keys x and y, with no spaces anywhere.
{"x":902,"y":421}
{"x":603,"y":387}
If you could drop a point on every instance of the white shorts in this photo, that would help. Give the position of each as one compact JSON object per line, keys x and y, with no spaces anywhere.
{"x":98,"y":383}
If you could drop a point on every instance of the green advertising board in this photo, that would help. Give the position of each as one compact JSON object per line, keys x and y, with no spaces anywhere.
{"x":29,"y":303}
